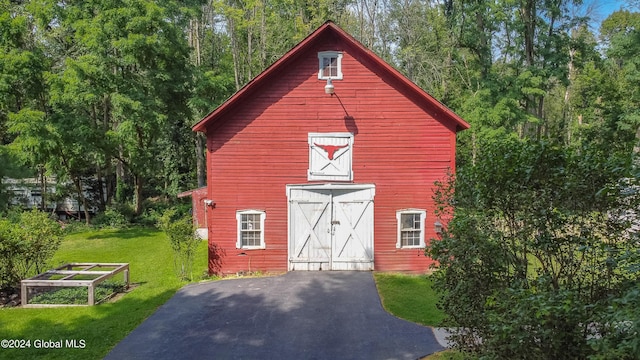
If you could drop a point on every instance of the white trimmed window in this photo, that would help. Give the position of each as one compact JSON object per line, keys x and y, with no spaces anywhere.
{"x":411,"y":228}
{"x":250,"y":229}
{"x":330,"y":65}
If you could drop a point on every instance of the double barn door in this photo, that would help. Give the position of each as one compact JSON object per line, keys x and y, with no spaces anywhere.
{"x":331,"y":227}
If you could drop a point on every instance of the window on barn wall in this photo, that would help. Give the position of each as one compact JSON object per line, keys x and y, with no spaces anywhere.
{"x":250,"y":229}
{"x":330,"y":65}
{"x":411,"y":228}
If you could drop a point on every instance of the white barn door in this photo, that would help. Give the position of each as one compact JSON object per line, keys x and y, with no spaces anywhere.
{"x":309,"y":217}
{"x":352,"y":241}
{"x":331,"y":227}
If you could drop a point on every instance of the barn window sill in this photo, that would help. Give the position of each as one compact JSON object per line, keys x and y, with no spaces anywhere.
{"x":251,"y":248}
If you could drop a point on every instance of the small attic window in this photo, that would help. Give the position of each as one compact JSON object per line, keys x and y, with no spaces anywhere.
{"x":330,"y":65}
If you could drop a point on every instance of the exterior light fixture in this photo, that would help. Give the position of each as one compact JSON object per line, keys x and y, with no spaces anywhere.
{"x":438,"y":227}
{"x":329,"y":89}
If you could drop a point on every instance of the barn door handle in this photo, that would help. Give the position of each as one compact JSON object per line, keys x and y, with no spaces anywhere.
{"x":335,"y":222}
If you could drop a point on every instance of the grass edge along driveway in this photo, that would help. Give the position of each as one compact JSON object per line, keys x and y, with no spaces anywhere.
{"x":151,"y":263}
{"x":409,"y":297}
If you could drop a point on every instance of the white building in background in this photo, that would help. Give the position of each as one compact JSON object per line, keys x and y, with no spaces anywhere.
{"x":27,"y":193}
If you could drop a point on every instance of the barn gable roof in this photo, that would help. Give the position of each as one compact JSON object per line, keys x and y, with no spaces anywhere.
{"x":402,"y":83}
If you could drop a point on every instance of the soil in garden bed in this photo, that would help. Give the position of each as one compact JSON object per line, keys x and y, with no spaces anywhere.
{"x":9,"y":297}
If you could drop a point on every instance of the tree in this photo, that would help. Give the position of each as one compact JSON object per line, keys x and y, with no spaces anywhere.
{"x":125,"y":81}
{"x":621,"y":35}
{"x":531,"y":256}
{"x":23,"y":92}
{"x":260,"y":32}
{"x":418,"y":38}
{"x":213,"y":80}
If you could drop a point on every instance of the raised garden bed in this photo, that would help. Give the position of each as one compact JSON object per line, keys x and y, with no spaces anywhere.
{"x":73,"y":275}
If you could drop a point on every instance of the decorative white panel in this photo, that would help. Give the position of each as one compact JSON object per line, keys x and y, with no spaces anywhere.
{"x":330,"y":156}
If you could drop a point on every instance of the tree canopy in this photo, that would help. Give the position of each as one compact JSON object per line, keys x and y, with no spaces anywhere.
{"x":105,"y":91}
{"x":108,"y":89}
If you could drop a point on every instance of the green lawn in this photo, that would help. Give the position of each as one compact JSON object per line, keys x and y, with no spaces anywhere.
{"x":409,"y":297}
{"x":101,"y":327}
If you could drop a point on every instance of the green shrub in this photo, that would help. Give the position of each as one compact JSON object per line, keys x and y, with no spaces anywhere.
{"x":181,"y":233}
{"x":10,"y":250}
{"x":26,"y":244}
{"x":155,"y":209}
{"x":619,"y":328}
{"x":150,"y":217}
{"x":112,"y":218}
{"x":531,"y":260}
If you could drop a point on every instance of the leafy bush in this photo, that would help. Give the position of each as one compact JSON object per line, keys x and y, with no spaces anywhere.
{"x":181,"y":233}
{"x":10,"y":250}
{"x":26,"y":245}
{"x":41,"y":237}
{"x":619,"y":328}
{"x":155,"y":209}
{"x":112,"y":217}
{"x":532,"y":258}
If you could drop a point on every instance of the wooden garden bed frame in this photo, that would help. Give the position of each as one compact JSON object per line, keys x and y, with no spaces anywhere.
{"x":70,"y":272}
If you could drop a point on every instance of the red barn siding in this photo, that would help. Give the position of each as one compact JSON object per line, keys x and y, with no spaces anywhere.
{"x":257,"y":145}
{"x":260,"y":148}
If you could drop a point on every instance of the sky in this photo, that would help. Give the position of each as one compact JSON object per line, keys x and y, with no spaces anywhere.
{"x":601,"y":9}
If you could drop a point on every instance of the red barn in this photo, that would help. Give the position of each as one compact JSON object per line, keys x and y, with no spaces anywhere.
{"x":326,"y":161}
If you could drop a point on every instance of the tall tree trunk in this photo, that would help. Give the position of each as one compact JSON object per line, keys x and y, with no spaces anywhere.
{"x":263,"y":38}
{"x":234,"y":53}
{"x":201,"y":160}
{"x":102,"y":203}
{"x":567,"y":114}
{"x":138,"y":194}
{"x":108,"y":173}
{"x":120,"y":179}
{"x":528,"y":13}
{"x":371,"y":14}
{"x":484,"y":47}
{"x":200,"y":140}
{"x":250,"y":46}
{"x":82,"y":200}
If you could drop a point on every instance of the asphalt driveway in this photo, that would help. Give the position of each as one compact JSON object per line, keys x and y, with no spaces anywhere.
{"x":299,"y":315}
